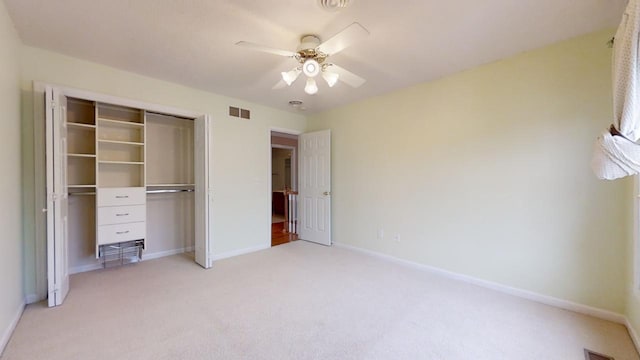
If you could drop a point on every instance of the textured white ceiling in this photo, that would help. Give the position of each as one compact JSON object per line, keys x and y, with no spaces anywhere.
{"x":191,"y":42}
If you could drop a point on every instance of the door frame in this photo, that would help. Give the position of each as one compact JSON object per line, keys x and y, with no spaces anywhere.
{"x":40,"y":195}
{"x":269,"y":177}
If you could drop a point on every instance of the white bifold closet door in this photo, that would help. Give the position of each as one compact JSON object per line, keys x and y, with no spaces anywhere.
{"x":203,"y":194}
{"x":57,"y":197}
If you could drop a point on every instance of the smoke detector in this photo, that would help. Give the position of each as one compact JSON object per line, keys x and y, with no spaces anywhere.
{"x":333,"y":5}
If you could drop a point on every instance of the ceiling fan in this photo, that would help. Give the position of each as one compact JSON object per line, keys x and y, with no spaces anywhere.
{"x":312,"y":57}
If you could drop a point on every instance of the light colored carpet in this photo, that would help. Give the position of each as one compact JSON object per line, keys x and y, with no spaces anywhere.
{"x":300,"y":301}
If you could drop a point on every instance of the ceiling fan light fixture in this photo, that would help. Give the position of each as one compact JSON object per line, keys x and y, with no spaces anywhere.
{"x":311,"y":68}
{"x":290,"y":76}
{"x":330,"y":78}
{"x":311,"y":88}
{"x":333,"y":5}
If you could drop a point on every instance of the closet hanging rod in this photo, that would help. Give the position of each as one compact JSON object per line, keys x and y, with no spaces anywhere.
{"x":166,"y":191}
{"x":159,"y":191}
{"x":169,"y":185}
{"x":169,"y":115}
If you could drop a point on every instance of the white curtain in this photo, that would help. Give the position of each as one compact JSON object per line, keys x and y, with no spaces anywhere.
{"x":616,"y":152}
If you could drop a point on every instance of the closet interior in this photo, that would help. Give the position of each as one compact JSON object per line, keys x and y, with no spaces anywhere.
{"x":130,"y":181}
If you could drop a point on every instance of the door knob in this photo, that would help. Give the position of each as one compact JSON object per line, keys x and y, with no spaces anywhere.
{"x":326,"y":193}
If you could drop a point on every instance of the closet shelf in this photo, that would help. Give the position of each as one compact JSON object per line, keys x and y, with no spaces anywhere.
{"x":81,"y":155}
{"x":121,"y":162}
{"x":167,"y":191}
{"x":106,"y":141}
{"x":81,"y":125}
{"x":81,"y":186}
{"x":82,"y":193}
{"x":121,"y":122}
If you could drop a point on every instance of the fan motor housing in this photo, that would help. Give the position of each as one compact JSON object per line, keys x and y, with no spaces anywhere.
{"x":307,"y":49}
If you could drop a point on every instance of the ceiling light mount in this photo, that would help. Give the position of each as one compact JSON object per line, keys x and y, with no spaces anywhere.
{"x":308,"y":49}
{"x":308,"y":43}
{"x":333,"y":5}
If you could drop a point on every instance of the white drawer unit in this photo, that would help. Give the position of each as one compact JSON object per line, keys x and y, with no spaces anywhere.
{"x":121,"y":196}
{"x":109,"y":234}
{"x":121,"y":215}
{"x":108,"y":215}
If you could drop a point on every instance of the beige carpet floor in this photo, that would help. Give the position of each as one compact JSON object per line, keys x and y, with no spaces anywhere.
{"x":300,"y":301}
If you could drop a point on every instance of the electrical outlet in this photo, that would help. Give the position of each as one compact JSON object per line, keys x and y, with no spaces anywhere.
{"x":396,"y":238}
{"x":380,"y":234}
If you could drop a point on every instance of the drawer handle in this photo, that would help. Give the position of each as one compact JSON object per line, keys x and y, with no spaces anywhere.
{"x":127,"y":214}
{"x":122,"y":196}
{"x":122,"y":232}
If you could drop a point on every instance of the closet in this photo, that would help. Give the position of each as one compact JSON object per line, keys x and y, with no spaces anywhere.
{"x":122,"y":183}
{"x":170,"y":183}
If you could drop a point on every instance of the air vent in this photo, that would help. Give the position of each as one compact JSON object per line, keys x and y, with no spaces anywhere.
{"x":592,"y":355}
{"x":241,"y":113}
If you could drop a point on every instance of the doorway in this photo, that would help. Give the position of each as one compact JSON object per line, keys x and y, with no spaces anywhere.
{"x":283,"y":188}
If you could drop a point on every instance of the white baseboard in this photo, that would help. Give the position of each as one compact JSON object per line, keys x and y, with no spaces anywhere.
{"x":146,"y":256}
{"x":525,"y":294}
{"x":160,"y":254}
{"x":244,"y":251}
{"x":633,"y":334}
{"x":6,"y":334}
{"x":85,"y":268}
{"x":32,"y":298}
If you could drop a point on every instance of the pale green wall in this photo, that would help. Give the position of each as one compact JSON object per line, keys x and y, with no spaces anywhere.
{"x":486,"y":173}
{"x":241,"y":148}
{"x":633,"y":288}
{"x":11,"y":264}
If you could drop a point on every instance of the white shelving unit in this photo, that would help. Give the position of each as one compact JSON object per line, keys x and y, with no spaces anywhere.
{"x":121,"y":195}
{"x":81,"y":144}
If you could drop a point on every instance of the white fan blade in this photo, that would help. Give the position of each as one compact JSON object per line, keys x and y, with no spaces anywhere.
{"x":346,"y":76}
{"x":266,"y":49}
{"x":341,"y":40}
{"x":279,"y":85}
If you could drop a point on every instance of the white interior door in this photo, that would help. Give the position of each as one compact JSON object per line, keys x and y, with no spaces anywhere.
{"x":314,"y":187}
{"x":203,"y":192}
{"x":57,"y":197}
